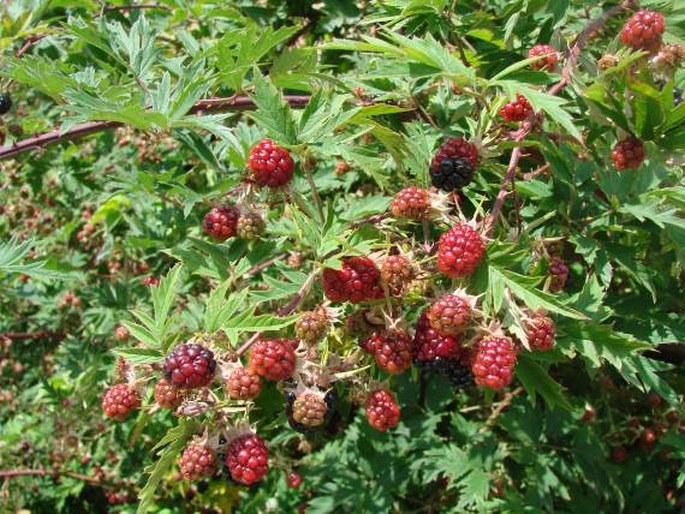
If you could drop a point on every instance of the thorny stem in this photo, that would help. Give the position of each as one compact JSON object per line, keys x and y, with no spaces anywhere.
{"x":426,"y":236}
{"x":500,"y":407}
{"x":11,"y":473}
{"x":232,"y":104}
{"x":312,"y":186}
{"x":528,"y":125}
{"x":41,"y":334}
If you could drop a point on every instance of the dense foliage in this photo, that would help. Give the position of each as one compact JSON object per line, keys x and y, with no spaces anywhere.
{"x":521,"y":307}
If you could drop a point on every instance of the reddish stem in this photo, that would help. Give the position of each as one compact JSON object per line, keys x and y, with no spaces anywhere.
{"x":11,"y":473}
{"x":41,"y":334}
{"x":527,"y":126}
{"x":233,"y":104}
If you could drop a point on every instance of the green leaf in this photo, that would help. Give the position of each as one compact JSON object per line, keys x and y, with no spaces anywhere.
{"x":140,"y":356}
{"x":536,"y":380}
{"x":601,"y":343}
{"x":523,"y":288}
{"x":164,"y":296}
{"x":540,"y":101}
{"x":273,"y":112}
{"x":171,"y":446}
{"x":220,"y":309}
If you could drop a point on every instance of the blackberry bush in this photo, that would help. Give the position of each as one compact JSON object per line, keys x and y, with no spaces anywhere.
{"x":275,"y":227}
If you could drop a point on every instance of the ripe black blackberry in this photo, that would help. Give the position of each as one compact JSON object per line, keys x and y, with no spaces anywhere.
{"x":458,"y":374}
{"x":452,"y":174}
{"x":5,"y":103}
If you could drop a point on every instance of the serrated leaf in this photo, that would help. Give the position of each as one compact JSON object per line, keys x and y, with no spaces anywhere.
{"x":602,"y":343}
{"x":537,"y":381}
{"x":522,"y":287}
{"x":220,"y":309}
{"x":139,"y":356}
{"x":171,"y":446}
{"x":540,"y":101}
{"x":273,"y":113}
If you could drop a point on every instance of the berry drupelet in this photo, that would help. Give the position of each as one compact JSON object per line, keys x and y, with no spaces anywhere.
{"x":221,"y":222}
{"x":271,"y":165}
{"x":189,"y":366}
{"x":460,"y":251}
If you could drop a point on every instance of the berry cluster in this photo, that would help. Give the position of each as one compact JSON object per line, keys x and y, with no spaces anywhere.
{"x":119,"y":401}
{"x":357,"y":281}
{"x":494,"y":360}
{"x":273,"y":359}
{"x":247,"y":459}
{"x":454,"y":164}
{"x":460,"y":251}
{"x":628,"y":154}
{"x":189,"y":366}
{"x":643,"y":31}
{"x":550,"y":60}
{"x":411,"y":203}
{"x":309,"y":409}
{"x":271,"y":165}
{"x":518,"y":110}
{"x":382,"y":410}
{"x":226,"y":221}
{"x":391,"y":349}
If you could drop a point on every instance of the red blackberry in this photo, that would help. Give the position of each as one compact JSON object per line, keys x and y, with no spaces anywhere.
{"x":455,"y":148}
{"x":452,"y":174}
{"x":647,"y":439}
{"x":312,"y":326}
{"x":271,"y":165}
{"x":540,"y":332}
{"x":294,"y":479}
{"x":549,"y":63}
{"x":250,"y":225}
{"x":430,"y":346}
{"x":628,"y":154}
{"x":643,"y":30}
{"x":167,"y":395}
{"x":189,"y":366}
{"x":411,"y":203}
{"x":197,"y":461}
{"x":357,"y":281}
{"x":309,"y":410}
{"x":247,"y":459}
{"x":243,"y":384}
{"x":121,"y":333}
{"x":119,"y":400}
{"x":494,"y":361}
{"x":450,"y":315}
{"x":558,"y":271}
{"x":516,"y":111}
{"x":396,"y":272}
{"x":619,"y":454}
{"x":460,"y":251}
{"x":150,"y":281}
{"x":273,"y":359}
{"x":382,"y":410}
{"x":391,"y":349}
{"x":221,"y":222}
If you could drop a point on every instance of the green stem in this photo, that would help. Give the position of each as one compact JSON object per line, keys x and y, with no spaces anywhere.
{"x":315,"y":192}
